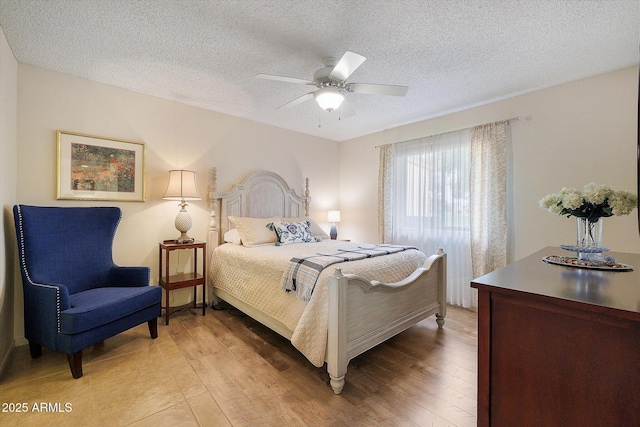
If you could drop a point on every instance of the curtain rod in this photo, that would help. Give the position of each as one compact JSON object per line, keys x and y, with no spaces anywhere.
{"x":512,"y":119}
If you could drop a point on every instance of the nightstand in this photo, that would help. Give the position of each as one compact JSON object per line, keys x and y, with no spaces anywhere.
{"x":182,"y":280}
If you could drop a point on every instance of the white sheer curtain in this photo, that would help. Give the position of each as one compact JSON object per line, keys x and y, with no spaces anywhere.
{"x":431,"y":204}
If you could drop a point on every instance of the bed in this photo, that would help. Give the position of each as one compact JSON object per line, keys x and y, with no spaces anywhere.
{"x":354,"y":306}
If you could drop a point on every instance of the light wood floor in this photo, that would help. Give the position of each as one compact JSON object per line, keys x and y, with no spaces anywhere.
{"x":225,"y":369}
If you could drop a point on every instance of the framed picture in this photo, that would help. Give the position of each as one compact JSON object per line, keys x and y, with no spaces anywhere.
{"x":98,"y":168}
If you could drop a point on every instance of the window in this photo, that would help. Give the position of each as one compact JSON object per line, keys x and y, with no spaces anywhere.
{"x":449,"y":191}
{"x":432,"y":204}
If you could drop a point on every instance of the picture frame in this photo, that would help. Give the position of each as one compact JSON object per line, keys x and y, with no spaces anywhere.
{"x":92,"y":167}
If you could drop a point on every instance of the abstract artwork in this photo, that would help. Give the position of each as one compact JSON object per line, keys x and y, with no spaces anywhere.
{"x":98,"y":168}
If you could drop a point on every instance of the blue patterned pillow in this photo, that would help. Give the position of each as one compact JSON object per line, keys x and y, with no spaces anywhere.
{"x":292,"y":232}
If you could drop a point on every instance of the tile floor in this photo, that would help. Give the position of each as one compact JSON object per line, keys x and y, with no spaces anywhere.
{"x":130,"y":379}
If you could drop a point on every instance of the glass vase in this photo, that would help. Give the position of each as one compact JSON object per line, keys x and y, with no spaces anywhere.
{"x":589,"y":236}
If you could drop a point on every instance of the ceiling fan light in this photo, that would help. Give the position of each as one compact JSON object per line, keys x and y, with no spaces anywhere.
{"x":329,"y":98}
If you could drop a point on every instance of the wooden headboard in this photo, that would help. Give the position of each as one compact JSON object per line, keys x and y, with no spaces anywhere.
{"x":260,"y":194}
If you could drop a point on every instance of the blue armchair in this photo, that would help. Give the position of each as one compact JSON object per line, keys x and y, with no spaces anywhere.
{"x":74,"y":295}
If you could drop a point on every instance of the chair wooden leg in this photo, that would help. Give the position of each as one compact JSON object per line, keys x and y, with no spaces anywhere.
{"x":75,"y":364}
{"x":153,"y":328}
{"x":35,"y":350}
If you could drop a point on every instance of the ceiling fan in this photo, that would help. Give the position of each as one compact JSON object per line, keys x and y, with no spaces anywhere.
{"x":332,"y":86}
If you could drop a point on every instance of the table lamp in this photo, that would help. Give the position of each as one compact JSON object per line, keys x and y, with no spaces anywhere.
{"x":333,"y":217}
{"x":182,"y":186}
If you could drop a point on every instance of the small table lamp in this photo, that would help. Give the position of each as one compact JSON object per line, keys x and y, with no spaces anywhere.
{"x":333,"y":217}
{"x":182,"y":186}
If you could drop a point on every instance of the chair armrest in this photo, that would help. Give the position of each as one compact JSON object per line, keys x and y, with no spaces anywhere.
{"x":44,"y":295}
{"x":42,"y":319}
{"x":129,"y":276}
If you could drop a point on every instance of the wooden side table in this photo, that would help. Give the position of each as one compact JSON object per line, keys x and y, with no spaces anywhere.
{"x":183,"y":280}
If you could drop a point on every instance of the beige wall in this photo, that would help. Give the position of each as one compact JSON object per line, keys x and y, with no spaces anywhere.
{"x":578,"y":133}
{"x":8,"y":166}
{"x":177,"y":136}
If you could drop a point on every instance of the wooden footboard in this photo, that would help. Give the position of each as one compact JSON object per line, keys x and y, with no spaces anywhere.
{"x":363,"y":314}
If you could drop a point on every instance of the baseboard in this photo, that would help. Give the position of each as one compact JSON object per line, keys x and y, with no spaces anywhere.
{"x":6,"y":358}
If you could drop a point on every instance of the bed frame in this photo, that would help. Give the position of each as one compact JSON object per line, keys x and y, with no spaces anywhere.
{"x":362,"y":313}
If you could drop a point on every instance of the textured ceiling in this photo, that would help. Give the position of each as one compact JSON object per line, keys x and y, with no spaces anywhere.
{"x":452,"y":54}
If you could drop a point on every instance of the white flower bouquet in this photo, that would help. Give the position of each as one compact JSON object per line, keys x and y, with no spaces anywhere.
{"x":592,"y":202}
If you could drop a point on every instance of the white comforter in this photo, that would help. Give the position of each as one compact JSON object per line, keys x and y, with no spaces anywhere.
{"x":253,"y":275}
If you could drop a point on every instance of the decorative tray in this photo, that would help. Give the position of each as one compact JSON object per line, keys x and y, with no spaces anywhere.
{"x":594,"y":264}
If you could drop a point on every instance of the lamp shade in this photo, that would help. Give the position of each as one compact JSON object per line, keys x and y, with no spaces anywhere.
{"x":329,"y":98}
{"x":333,"y":216}
{"x":182,"y":186}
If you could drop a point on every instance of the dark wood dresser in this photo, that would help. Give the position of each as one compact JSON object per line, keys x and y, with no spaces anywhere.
{"x":559,"y":346}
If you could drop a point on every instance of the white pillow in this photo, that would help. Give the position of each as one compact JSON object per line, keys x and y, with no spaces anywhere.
{"x":315,"y":229}
{"x":254,"y":231}
{"x":233,"y":236}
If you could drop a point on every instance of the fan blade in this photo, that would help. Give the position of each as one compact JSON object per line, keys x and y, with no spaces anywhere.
{"x":375,"y":89}
{"x":296,"y":101}
{"x":283,"y":79}
{"x":346,"y":110}
{"x":346,"y":66}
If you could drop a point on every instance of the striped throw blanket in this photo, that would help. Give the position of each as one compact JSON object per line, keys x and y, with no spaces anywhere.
{"x":301,"y":274}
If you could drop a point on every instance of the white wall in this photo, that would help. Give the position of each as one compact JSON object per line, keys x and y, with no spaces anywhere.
{"x":8,"y":166}
{"x":176,"y":136}
{"x":579,"y":132}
